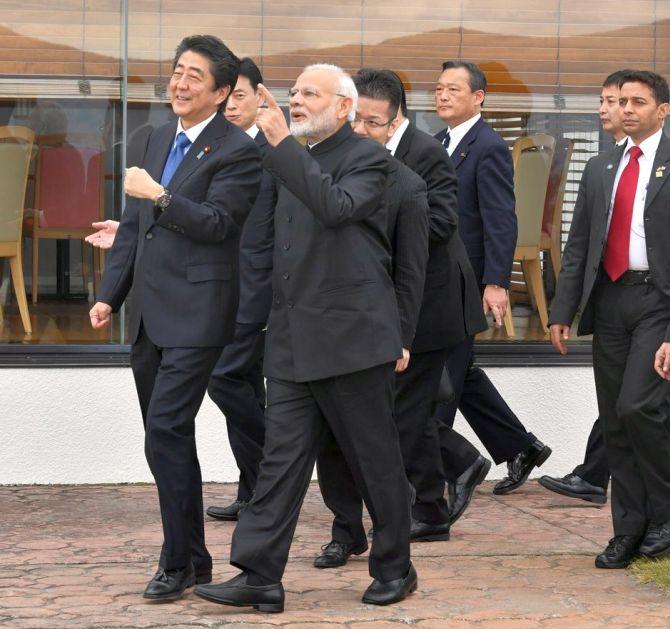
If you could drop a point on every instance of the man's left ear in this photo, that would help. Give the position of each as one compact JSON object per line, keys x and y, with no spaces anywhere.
{"x":663,"y":110}
{"x":223,"y":93}
{"x":392,"y":127}
{"x":345,"y":107}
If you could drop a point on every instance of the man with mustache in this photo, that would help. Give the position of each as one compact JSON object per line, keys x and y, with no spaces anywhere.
{"x":333,"y":340}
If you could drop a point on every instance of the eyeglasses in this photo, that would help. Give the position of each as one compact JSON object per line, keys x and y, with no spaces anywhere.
{"x":309,"y":93}
{"x":371,"y":124}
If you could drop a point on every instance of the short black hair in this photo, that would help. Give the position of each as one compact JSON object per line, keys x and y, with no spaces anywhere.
{"x":224,"y":65}
{"x":379,"y":85}
{"x":403,"y":94}
{"x":655,"y":82}
{"x":249,"y":69}
{"x":477,"y":78}
{"x":615,"y":77}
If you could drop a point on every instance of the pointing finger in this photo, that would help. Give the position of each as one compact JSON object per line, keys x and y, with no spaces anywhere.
{"x":268,"y":97}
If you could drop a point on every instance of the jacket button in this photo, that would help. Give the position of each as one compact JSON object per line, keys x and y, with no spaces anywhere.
{"x":290,"y":304}
{"x":289,"y":219}
{"x":277,"y":301}
{"x":149,"y":236}
{"x":286,"y":275}
{"x":287,"y":246}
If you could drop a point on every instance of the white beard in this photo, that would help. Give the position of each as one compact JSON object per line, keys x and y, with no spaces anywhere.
{"x":321,"y":125}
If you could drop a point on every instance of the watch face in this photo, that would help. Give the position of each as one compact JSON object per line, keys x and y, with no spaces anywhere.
{"x":164,"y":199}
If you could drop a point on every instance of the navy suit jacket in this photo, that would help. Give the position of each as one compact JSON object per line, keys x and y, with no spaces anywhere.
{"x":486,"y":217}
{"x":256,"y":245}
{"x":182,"y":263}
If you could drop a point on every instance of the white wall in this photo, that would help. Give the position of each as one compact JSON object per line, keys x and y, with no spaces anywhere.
{"x":62,"y":425}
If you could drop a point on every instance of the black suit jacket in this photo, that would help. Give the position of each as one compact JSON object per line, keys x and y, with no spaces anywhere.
{"x":452,"y":306}
{"x":487,"y":220}
{"x":183,"y":263}
{"x":407,"y":202}
{"x":256,"y":244}
{"x":334,"y":309}
{"x":580,"y":265}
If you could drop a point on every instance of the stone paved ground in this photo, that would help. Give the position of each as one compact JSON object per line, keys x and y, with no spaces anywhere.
{"x":80,"y":557}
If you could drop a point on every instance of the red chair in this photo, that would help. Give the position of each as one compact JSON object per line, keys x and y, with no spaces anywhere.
{"x":69,"y":196}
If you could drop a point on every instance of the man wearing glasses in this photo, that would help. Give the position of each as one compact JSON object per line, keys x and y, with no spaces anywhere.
{"x":333,"y":340}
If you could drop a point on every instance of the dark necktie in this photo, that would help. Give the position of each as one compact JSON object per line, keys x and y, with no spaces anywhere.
{"x":615,"y":261}
{"x":179,"y":147}
{"x":445,"y":140}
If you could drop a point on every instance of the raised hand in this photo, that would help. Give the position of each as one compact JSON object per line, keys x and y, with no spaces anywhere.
{"x":270,"y":119}
{"x":100,"y":315}
{"x":104,"y":237}
{"x":139,"y":184}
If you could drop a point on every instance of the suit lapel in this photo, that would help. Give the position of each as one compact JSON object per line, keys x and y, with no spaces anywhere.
{"x":463,"y":148}
{"x":163,"y":146}
{"x":656,"y":182}
{"x":610,"y":168}
{"x":206,"y":144}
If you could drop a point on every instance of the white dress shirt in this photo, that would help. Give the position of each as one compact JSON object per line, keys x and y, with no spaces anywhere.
{"x":252,"y":131}
{"x":458,"y":132}
{"x":193,"y":132}
{"x":637,"y":251}
{"x":392,"y":144}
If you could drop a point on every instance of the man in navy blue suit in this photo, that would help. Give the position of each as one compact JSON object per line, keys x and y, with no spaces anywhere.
{"x":488,"y":228}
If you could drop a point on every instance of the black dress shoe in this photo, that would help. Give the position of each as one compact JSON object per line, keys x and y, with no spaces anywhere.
{"x":425,"y":532}
{"x":465,"y":485}
{"x":520,"y":467}
{"x":575,"y":487}
{"x":387,"y":592}
{"x":620,"y":551}
{"x":236,"y":592}
{"x":336,"y":554}
{"x":228,"y":513}
{"x":203,"y":576}
{"x":169,"y":585}
{"x":656,"y":542}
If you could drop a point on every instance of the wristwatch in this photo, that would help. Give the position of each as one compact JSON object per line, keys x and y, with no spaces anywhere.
{"x":163,"y":200}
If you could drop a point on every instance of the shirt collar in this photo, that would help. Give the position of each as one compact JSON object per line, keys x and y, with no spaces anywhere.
{"x":193,"y":133}
{"x":648,"y":146}
{"x":459,"y":131}
{"x":622,"y":141}
{"x":252,"y":131}
{"x":392,"y":144}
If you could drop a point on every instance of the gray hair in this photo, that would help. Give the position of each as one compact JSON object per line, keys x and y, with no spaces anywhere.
{"x":346,"y":84}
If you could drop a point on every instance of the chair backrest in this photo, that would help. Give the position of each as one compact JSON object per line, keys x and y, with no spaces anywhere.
{"x":532,"y":156}
{"x":69,"y":184}
{"x":16,"y":145}
{"x":558,"y":175}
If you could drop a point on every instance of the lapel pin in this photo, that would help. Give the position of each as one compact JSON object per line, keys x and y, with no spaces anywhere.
{"x":659,"y":172}
{"x":609,"y":166}
{"x":463,"y":154}
{"x":204,"y":151}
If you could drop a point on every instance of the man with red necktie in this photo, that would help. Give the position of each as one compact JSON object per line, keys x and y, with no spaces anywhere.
{"x":616,"y":270}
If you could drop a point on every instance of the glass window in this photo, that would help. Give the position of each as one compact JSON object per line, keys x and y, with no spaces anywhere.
{"x":68,"y":78}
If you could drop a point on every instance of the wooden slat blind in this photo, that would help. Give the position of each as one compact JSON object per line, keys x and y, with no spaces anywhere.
{"x":525,"y":46}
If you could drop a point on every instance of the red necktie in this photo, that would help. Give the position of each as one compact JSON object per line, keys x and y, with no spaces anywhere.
{"x":618,"y":237}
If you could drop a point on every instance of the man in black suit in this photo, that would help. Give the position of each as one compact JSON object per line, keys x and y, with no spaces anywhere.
{"x":236,"y":384}
{"x":615,"y":268}
{"x":487,"y":224}
{"x":445,"y":321}
{"x":332,"y":343}
{"x":589,"y":480}
{"x":378,"y":101}
{"x":177,"y":246}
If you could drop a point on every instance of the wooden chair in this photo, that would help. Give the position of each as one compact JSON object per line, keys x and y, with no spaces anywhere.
{"x":532,"y":157}
{"x":69,"y":196}
{"x":16,"y":145}
{"x":553,"y":203}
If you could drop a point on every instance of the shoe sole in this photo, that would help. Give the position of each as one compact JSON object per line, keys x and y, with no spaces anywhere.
{"x":268,"y":608}
{"x":357,"y":551}
{"x":618,"y":566}
{"x":542,"y":456}
{"x":479,"y":480}
{"x":438,"y":537}
{"x":397,"y":599}
{"x":594,"y":498}
{"x":223,"y":518}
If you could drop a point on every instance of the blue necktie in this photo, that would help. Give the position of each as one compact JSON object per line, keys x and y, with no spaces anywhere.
{"x":179,"y":147}
{"x":445,"y":141}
